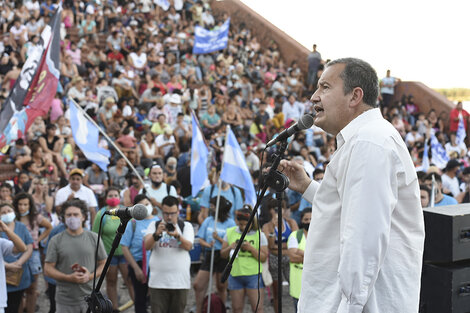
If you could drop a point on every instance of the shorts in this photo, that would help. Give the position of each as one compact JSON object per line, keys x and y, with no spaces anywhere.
{"x":35,"y":263}
{"x":118,"y":259}
{"x":219,"y":262}
{"x":245,"y":282}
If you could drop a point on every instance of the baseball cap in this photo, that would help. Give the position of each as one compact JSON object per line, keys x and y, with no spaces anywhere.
{"x":76,"y":171}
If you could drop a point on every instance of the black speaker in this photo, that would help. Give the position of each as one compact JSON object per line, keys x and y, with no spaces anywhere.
{"x":447,"y":233}
{"x":445,"y":288}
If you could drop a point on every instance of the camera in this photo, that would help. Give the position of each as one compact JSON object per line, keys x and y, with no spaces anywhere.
{"x":170,"y":227}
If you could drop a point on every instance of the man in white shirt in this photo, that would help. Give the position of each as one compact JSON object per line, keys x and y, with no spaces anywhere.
{"x":170,"y":241}
{"x":365,"y":245}
{"x":76,"y":189}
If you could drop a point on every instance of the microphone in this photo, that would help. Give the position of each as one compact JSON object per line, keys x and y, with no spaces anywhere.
{"x":138,"y":211}
{"x":306,"y":121}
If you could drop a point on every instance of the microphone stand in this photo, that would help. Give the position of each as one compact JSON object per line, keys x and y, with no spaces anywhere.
{"x":97,"y":303}
{"x":279,"y":182}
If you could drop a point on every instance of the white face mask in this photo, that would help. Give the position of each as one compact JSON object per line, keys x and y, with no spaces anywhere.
{"x":149,"y":209}
{"x":8,"y":218}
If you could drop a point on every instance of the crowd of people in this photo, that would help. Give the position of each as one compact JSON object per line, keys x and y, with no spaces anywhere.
{"x":130,"y":66}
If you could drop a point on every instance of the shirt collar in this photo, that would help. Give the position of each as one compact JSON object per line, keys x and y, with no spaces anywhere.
{"x":352,"y":128}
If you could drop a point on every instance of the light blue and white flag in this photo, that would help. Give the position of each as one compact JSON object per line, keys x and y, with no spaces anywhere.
{"x":234,"y":169}
{"x":461,"y":133}
{"x":86,"y":137}
{"x":439,"y":154}
{"x":199,"y":158}
{"x":425,"y":162}
{"x":206,"y":41}
{"x":164,"y":4}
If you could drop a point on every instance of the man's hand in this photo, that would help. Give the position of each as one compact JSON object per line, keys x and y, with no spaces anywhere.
{"x":160,"y":229}
{"x":3,"y":227}
{"x":79,"y":277}
{"x":139,"y":275}
{"x":299,"y":180}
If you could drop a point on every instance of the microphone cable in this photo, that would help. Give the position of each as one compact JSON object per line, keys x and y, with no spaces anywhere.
{"x":96,"y":251}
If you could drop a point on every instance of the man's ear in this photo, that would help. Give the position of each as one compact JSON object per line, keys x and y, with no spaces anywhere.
{"x":356,"y":97}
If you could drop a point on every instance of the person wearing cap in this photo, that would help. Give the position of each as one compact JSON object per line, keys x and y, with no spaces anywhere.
{"x":364,"y":250}
{"x":76,"y":189}
{"x":450,"y":180}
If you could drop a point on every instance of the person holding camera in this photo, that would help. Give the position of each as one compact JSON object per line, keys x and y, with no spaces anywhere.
{"x":170,"y":241}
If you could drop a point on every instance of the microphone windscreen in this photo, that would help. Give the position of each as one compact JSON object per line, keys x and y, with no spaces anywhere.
{"x":139,"y":212}
{"x":305,"y":122}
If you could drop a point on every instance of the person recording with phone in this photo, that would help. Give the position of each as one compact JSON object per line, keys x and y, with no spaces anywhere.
{"x":170,"y":241}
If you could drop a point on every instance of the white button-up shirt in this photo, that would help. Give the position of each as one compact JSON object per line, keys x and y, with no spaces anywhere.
{"x":365,"y":242}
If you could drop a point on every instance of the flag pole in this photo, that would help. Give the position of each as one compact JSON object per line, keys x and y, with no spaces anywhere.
{"x":109,"y":140}
{"x":219,"y":186}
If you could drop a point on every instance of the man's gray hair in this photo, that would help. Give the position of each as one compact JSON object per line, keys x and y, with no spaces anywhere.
{"x":358,"y":73}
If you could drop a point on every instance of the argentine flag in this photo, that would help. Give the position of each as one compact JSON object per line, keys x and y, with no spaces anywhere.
{"x":461,"y":133}
{"x":164,"y":4}
{"x":86,"y":136}
{"x":234,"y":169}
{"x":439,"y":154}
{"x":199,"y":157}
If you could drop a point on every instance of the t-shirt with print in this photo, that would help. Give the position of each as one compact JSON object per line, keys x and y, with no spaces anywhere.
{"x":169,"y":264}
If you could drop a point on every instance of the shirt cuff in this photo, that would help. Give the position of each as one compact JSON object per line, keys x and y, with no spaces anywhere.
{"x":309,"y":193}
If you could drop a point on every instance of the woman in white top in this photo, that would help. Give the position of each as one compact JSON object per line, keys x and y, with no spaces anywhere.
{"x":150,"y":151}
{"x":453,"y":146}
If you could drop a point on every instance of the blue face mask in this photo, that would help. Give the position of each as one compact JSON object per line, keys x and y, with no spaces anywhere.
{"x":24,"y":214}
{"x":8,"y":218}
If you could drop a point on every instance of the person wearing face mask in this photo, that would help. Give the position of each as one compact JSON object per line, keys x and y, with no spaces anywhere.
{"x":70,"y":259}
{"x":15,"y":231}
{"x":132,"y":248}
{"x":108,"y":233}
{"x":25,"y":209}
{"x":159,"y":189}
{"x":296,"y":247}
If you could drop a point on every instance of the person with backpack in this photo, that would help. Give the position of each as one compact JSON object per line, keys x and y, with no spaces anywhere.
{"x":295,"y":250}
{"x":108,"y":233}
{"x":231,"y":193}
{"x":245,"y":277}
{"x":170,"y":240}
{"x":211,"y":234}
{"x":136,"y":256}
